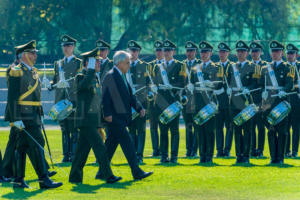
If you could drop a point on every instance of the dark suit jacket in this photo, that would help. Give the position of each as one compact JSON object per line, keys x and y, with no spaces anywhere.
{"x":117,"y":100}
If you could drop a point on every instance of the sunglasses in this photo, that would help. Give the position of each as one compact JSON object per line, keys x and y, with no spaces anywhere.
{"x":190,"y":50}
{"x":291,"y":52}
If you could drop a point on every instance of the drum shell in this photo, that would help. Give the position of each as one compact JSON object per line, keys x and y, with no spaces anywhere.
{"x":245,"y":115}
{"x":206,"y":113}
{"x":278,"y":113}
{"x":170,"y":113}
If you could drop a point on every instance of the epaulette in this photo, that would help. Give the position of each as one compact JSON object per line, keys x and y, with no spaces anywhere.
{"x":183,"y":70}
{"x":34,"y":69}
{"x":257,"y":72}
{"x":16,"y":71}
{"x":291,"y":72}
{"x":220,"y":73}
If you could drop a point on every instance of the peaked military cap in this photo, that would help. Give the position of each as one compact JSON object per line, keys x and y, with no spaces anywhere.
{"x":67,"y":40}
{"x":291,"y":48}
{"x":223,"y":47}
{"x":169,"y":45}
{"x":133,"y":45}
{"x":241,"y":45}
{"x":102,"y":44}
{"x":28,"y":47}
{"x":158,"y":44}
{"x":255,"y":46}
{"x":95,"y":53}
{"x":189,"y":45}
{"x":205,"y":46}
{"x":275,"y":45}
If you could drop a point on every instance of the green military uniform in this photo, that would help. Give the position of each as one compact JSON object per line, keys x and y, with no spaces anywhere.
{"x":176,"y":74}
{"x":88,"y":120}
{"x":24,"y":104}
{"x":188,"y":109}
{"x":246,"y":73}
{"x":69,"y":66}
{"x":293,"y":120}
{"x":258,"y":118}
{"x":137,"y":77}
{"x":152,"y":108}
{"x":223,"y":117}
{"x":284,"y":75}
{"x":207,"y":71}
{"x":106,"y":63}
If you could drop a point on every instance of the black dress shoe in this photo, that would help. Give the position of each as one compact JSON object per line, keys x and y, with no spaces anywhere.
{"x":188,"y":154}
{"x":246,"y":160}
{"x":20,"y":183}
{"x":113,"y":179}
{"x":220,"y":154}
{"x":280,"y":162}
{"x":155,"y":154}
{"x":3,"y":179}
{"x":239,"y":160}
{"x":144,"y":175}
{"x":209,"y":160}
{"x":288,"y":155}
{"x":47,"y":183}
{"x":194,"y":154}
{"x":202,"y":160}
{"x":164,"y":160}
{"x":173,"y":160}
{"x":294,"y":155}
{"x":273,"y":162}
{"x":226,"y":154}
{"x":260,"y":154}
{"x":51,"y":173}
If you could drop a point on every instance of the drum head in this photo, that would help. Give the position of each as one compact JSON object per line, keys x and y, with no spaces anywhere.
{"x":61,"y":110}
{"x":278,"y":113}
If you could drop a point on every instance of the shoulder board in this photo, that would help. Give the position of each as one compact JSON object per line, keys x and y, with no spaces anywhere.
{"x":16,"y":71}
{"x":182,"y":70}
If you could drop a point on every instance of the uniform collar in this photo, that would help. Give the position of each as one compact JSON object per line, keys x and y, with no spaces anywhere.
{"x":192,"y":61}
{"x":224,"y":63}
{"x":103,"y":60}
{"x":170,"y":62}
{"x":161,"y":61}
{"x":206,"y":63}
{"x":277,"y":62}
{"x":257,"y":61}
{"x":27,"y":66}
{"x":293,"y":63}
{"x":242,"y":63}
{"x":69,"y":58}
{"x":135,"y":62}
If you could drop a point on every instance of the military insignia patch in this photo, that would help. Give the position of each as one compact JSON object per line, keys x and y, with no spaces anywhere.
{"x":203,"y":46}
{"x":189,"y":45}
{"x":167,"y":44}
{"x":240,"y":44}
{"x":273,"y":45}
{"x":222,"y":46}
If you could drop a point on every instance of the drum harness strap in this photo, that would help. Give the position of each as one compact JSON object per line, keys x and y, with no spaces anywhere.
{"x":239,"y":84}
{"x":165,"y":78}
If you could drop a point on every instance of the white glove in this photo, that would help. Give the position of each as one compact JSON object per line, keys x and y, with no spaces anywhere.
{"x":91,"y":63}
{"x":208,"y":83}
{"x":190,"y":87}
{"x":229,"y":91}
{"x":62,"y":84}
{"x":264,"y":95}
{"x":19,"y":124}
{"x":46,"y":83}
{"x":281,"y":94}
{"x":153,"y":88}
{"x":246,"y":91}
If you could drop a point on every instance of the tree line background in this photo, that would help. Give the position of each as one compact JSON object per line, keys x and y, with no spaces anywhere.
{"x":118,"y":21}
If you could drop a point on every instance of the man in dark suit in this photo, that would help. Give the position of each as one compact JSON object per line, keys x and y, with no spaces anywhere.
{"x":88,"y":120}
{"x":117,"y":103}
{"x":69,"y":65}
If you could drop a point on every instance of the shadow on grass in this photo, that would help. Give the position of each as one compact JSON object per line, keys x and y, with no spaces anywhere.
{"x":169,"y":164}
{"x":21,"y":194}
{"x":279,"y":165}
{"x":244,"y":165}
{"x":66,"y":164}
{"x":87,"y":189}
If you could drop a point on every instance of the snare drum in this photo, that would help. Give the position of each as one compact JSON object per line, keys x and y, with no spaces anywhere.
{"x":246,"y":114}
{"x":278,"y":113}
{"x":61,"y":110}
{"x":206,"y":113}
{"x":170,"y":113}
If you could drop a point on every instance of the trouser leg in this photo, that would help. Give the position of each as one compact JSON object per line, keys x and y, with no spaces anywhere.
{"x":174,"y":129}
{"x":141,"y":136}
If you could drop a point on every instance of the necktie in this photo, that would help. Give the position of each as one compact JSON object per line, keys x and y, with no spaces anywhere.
{"x":167,"y":63}
{"x":125,"y":81}
{"x":159,"y":62}
{"x":190,"y":63}
{"x":275,"y":65}
{"x":66,"y":60}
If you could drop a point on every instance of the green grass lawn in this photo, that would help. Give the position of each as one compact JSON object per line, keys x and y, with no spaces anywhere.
{"x":187,"y":180}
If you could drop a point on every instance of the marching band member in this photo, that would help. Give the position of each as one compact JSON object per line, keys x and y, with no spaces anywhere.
{"x":66,"y":68}
{"x":205,"y":73}
{"x":138,"y":79}
{"x":292,"y":53}
{"x":277,"y":79}
{"x":241,"y":79}
{"x":256,"y":51}
{"x":188,"y":109}
{"x":153,"y":112}
{"x":223,"y":116}
{"x":171,"y":73}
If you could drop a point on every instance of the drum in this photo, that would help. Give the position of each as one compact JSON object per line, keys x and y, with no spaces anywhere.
{"x":61,"y":110}
{"x":134,"y":114}
{"x":246,"y":114}
{"x":206,"y":113}
{"x":278,"y":113}
{"x":170,"y":113}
